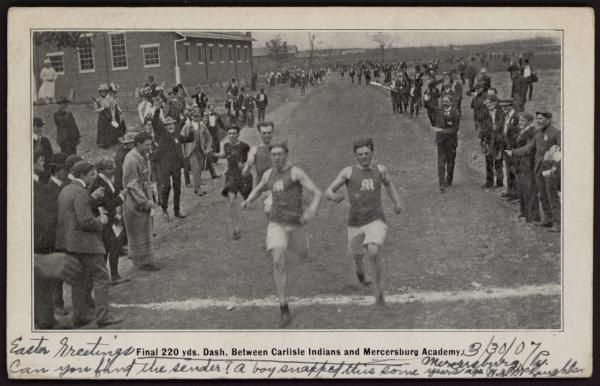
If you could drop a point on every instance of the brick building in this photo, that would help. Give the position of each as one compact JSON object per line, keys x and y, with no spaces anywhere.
{"x":127,"y":58}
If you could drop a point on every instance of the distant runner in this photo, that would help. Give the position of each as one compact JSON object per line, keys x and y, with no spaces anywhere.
{"x":367,"y":227}
{"x":259,"y":156}
{"x":286,"y":182}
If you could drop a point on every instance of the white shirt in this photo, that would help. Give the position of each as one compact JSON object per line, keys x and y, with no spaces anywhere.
{"x":35,"y":137}
{"x":80,"y":181}
{"x":261,"y":97}
{"x":526,"y":71}
{"x":36,"y":178}
{"x":212,"y":120}
{"x":508,"y":116}
{"x":56,"y":180}
{"x":145,"y":108}
{"x":108,"y":181}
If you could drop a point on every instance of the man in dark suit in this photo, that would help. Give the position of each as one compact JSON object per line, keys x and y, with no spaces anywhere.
{"x":79,"y":233}
{"x":510,"y":131}
{"x":67,"y":132}
{"x":169,"y":156}
{"x":42,"y":144}
{"x":201,"y":99}
{"x":490,"y":135}
{"x":110,"y":204}
{"x":39,"y":141}
{"x":446,"y":137}
{"x":546,"y":136}
{"x":262,"y":101}
{"x":253,"y":81}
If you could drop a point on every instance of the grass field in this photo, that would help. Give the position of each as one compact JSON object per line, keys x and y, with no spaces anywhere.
{"x":459,"y":260}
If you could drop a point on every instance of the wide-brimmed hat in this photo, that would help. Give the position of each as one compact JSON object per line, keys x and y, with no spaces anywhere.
{"x":169,"y":121}
{"x":62,"y":100}
{"x":543,"y":112}
{"x":103,"y":87}
{"x":57,"y":159}
{"x":491,"y":98}
{"x":128,"y":137}
{"x":37,"y":121}
{"x":506,"y":102}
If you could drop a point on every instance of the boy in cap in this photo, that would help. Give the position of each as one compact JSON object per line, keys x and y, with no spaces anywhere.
{"x":367,"y":226}
{"x":446,"y":137}
{"x":546,"y":136}
{"x":510,"y":131}
{"x":490,"y":135}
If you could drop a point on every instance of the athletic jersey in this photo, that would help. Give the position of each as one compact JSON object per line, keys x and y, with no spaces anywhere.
{"x":364,"y":192}
{"x":262,"y":160}
{"x":287,"y":197}
{"x":235,"y":154}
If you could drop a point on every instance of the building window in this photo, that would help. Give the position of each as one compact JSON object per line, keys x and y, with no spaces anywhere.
{"x":151,"y":55}
{"x":186,"y":48}
{"x":118,"y":51}
{"x":230,"y":52}
{"x":86,"y":56}
{"x":201,"y":57}
{"x":57,"y":62}
{"x":211,"y":53}
{"x":239,"y":54}
{"x":221,"y":54}
{"x":246,"y":53}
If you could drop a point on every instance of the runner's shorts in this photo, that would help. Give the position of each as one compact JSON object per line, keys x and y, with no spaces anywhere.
{"x":373,"y":232}
{"x":283,"y":235}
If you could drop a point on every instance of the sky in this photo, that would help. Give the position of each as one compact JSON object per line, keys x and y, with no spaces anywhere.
{"x":362,"y":39}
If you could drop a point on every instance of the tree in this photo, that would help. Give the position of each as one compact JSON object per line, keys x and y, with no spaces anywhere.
{"x":278,"y":50}
{"x":62,"y":39}
{"x":382,"y":41}
{"x":312,"y":41}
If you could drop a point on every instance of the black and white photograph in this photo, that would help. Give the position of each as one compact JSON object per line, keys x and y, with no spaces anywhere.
{"x":292,"y":180}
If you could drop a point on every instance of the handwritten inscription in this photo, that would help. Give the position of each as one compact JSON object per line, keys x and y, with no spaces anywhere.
{"x":102,"y":358}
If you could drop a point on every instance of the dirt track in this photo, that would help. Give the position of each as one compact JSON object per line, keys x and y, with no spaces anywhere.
{"x":464,"y":240}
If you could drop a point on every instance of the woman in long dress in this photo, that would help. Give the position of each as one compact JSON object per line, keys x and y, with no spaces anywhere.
{"x":48,"y":76}
{"x":103,"y":108}
{"x":140,"y":203}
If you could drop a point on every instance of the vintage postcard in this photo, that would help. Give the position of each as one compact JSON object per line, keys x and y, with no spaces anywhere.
{"x":300,"y":193}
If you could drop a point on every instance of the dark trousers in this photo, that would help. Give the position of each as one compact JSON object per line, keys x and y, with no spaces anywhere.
{"x":446,"y":159}
{"x":431,"y":116}
{"x":359,"y":79}
{"x":43,"y":307}
{"x":68,"y":148}
{"x":261,"y":115}
{"x":493,"y":167}
{"x":168,"y":174}
{"x":542,"y":189}
{"x":553,"y":186}
{"x":113,"y":249}
{"x":528,"y":199}
{"x":352,"y":77}
{"x":394,"y":102}
{"x":94,"y":270}
{"x":511,"y":177}
{"x":186,"y":171}
{"x":530,"y":89}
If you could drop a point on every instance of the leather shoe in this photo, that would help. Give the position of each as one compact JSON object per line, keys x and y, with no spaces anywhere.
{"x":151,"y":267}
{"x":215,"y":177}
{"x":110,"y":319}
{"x":118,"y":280}
{"x":179,"y":215}
{"x":554,"y":229}
{"x":82,"y":322}
{"x":543,"y":224}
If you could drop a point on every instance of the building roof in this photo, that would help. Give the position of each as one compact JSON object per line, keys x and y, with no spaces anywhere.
{"x":264,"y":51}
{"x":216,"y":35}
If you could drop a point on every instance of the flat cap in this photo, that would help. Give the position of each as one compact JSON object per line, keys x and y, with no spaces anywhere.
{"x":543,"y":112}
